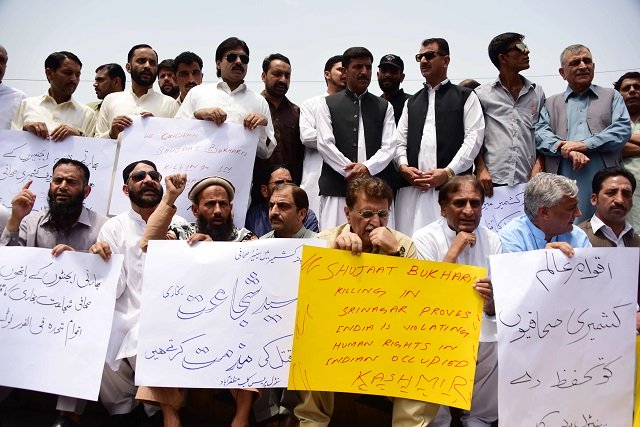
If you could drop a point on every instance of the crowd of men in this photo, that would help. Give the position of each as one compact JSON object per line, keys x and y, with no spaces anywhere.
{"x":397,"y":175}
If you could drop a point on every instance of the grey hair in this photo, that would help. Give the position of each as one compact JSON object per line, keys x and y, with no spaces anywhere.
{"x":545,"y":190}
{"x":574,"y":48}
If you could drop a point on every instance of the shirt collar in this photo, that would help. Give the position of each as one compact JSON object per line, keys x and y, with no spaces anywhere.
{"x":225,"y":87}
{"x":353,"y":95}
{"x":149,"y":92}
{"x":597,"y":224}
{"x":438,"y":86}
{"x":590,"y":92}
{"x":48,"y":98}
{"x":537,"y":234}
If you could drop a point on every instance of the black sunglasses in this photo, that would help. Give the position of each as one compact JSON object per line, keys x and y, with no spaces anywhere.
{"x":140,"y":175}
{"x":231,"y":57}
{"x":429,"y":55}
{"x":520,"y":47}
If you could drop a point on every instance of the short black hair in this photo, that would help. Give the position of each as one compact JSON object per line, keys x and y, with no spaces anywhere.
{"x":131,"y":166}
{"x":267,"y":61}
{"x":55,"y":60}
{"x":603,"y":174}
{"x":227,"y":45}
{"x":355,"y":52}
{"x":187,"y":58}
{"x":332,"y":61}
{"x":85,"y":170}
{"x":299,"y":196}
{"x":443,"y":45}
{"x":166,"y":63}
{"x":132,"y":51}
{"x":628,"y":75}
{"x":499,"y":45}
{"x":114,"y":70}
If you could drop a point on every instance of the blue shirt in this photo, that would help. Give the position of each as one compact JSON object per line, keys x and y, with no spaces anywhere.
{"x":611,"y":139}
{"x":521,"y":235}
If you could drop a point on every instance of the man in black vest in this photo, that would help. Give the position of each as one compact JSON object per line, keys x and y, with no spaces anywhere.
{"x":355,"y":136}
{"x":439,"y":135}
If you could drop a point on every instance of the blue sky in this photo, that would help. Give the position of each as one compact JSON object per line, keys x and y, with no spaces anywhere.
{"x":310,"y":32}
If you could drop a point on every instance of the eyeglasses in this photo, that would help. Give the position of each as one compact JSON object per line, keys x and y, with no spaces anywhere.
{"x":382,"y":213}
{"x":140,"y":175}
{"x":429,"y":55}
{"x":282,"y":181}
{"x":520,"y":47}
{"x":231,"y":57}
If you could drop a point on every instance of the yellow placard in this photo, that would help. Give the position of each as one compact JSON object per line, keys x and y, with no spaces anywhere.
{"x":386,"y":325}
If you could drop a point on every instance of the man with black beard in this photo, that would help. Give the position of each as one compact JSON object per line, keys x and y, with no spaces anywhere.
{"x":121,"y":235}
{"x":390,"y":75}
{"x":167,"y":79}
{"x":65,"y":226}
{"x":212,"y":206}
{"x":118,"y":107}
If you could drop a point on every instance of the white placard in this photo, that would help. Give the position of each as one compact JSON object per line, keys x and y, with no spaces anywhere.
{"x":218,"y":314}
{"x":55,"y":319}
{"x":505,"y":204}
{"x":24,"y":156}
{"x":566,"y":336}
{"x":198,"y":148}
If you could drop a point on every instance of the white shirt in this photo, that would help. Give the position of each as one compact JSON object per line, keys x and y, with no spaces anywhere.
{"x":10,"y":99}
{"x":597,"y":224}
{"x":123,"y":233}
{"x":127,"y":103}
{"x":332,"y":208}
{"x":237,"y":103}
{"x":312,"y":164}
{"x":4,"y":217}
{"x":415,"y":207}
{"x":45,"y":109}
{"x":433,"y":242}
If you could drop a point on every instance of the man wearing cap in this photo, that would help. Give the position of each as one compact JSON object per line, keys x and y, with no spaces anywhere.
{"x":390,"y":75}
{"x":121,"y":235}
{"x":212,"y":206}
{"x":439,"y":135}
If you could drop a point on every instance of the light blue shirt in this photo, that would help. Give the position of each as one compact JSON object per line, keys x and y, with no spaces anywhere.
{"x":521,"y":235}
{"x":611,"y":139}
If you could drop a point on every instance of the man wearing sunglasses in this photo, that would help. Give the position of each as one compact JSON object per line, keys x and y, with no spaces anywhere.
{"x":139,"y":100}
{"x":368,"y":208}
{"x":355,"y":135}
{"x":121,"y":235}
{"x":65,"y":226}
{"x":230,"y":100}
{"x":457,"y":237}
{"x":511,"y":105}
{"x":584,"y":129}
{"x":257,"y":219}
{"x":439,"y":135}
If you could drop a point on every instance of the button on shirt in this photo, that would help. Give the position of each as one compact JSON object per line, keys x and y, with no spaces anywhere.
{"x":45,"y":109}
{"x":237,"y":104}
{"x":509,"y":135}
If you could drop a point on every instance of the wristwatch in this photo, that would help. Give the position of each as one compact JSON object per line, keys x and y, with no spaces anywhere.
{"x":399,"y":252}
{"x":450,"y":173}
